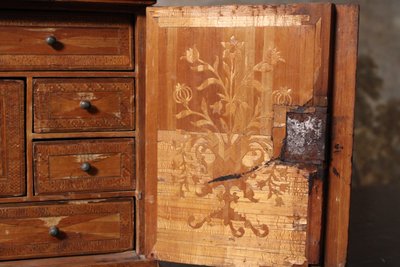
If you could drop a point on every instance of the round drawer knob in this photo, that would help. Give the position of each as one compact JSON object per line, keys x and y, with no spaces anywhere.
{"x":84,"y":104}
{"x":51,"y":40}
{"x":85,"y":167}
{"x":54,"y":231}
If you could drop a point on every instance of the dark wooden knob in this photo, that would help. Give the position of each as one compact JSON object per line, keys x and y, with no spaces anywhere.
{"x":85,"y":167}
{"x":51,"y":40}
{"x":84,"y":104}
{"x":54,"y":231}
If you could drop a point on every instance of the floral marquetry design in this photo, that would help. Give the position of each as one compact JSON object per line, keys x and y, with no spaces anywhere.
{"x":228,"y":157}
{"x":222,"y":185}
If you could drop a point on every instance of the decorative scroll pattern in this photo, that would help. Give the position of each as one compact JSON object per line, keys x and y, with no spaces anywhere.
{"x":229,"y":153}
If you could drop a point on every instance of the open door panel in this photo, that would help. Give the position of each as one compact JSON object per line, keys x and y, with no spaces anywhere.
{"x":236,"y":110}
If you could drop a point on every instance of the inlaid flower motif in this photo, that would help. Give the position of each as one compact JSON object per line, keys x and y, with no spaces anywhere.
{"x":232,"y":125}
{"x":217,"y":107}
{"x":282,"y":96}
{"x":182,"y":94}
{"x":274,"y":56}
{"x":232,"y":48}
{"x":192,"y":55}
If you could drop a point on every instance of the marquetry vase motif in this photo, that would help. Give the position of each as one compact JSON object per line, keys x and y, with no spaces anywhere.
{"x":225,"y":151}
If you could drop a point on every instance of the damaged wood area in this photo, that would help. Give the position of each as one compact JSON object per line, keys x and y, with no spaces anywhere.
{"x":239,"y":138}
{"x":305,"y":136}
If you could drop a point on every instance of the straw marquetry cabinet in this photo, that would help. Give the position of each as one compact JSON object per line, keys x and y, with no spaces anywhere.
{"x":214,"y":135}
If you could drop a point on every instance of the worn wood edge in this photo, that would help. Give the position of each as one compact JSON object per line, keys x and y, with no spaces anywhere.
{"x":28,"y":136}
{"x":122,"y":259}
{"x":42,"y":136}
{"x":140,"y":51}
{"x":69,"y":74}
{"x":320,"y":98}
{"x":150,"y":168}
{"x":120,"y":6}
{"x":64,"y":197}
{"x":343,"y":98}
{"x":314,"y":225}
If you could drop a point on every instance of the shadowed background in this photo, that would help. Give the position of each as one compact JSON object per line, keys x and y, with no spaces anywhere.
{"x":374,"y":217}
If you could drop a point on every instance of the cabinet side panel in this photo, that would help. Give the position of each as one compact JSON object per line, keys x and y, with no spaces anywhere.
{"x":344,"y":82}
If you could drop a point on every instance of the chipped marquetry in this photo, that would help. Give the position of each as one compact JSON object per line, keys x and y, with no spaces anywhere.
{"x":222,"y":94}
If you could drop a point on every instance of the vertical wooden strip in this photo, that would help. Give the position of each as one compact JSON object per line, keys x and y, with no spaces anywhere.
{"x":151,"y":118}
{"x":323,"y":80}
{"x":171,"y":47}
{"x":315,"y":221}
{"x":267,"y":80}
{"x":342,"y":135}
{"x":29,"y":131}
{"x":140,"y":39}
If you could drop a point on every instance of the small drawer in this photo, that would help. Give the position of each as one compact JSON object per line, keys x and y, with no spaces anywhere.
{"x":76,"y":105}
{"x":97,"y":165}
{"x":73,"y":228}
{"x":63,"y":41}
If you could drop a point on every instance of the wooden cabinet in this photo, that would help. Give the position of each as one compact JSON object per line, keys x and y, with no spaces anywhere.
{"x":217,"y":136}
{"x":242,"y":99}
{"x":70,"y":162}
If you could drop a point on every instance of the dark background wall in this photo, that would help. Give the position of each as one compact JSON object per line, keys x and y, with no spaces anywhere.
{"x":375,"y":215}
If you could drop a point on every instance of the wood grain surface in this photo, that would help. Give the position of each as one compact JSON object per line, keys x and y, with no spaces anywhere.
{"x":12,"y":143}
{"x":340,"y":167}
{"x":56,"y":105}
{"x":121,"y":6}
{"x":239,"y":93}
{"x":84,"y":41}
{"x":85,"y":227}
{"x":57,"y":166}
{"x":123,"y":259}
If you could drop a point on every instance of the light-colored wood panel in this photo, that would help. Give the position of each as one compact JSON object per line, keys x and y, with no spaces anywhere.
{"x":221,"y":95}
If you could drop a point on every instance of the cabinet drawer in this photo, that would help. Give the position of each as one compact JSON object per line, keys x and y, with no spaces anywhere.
{"x":84,"y":166}
{"x":57,"y":41}
{"x":12,"y":142}
{"x":78,"y":227}
{"x":75,"y":105}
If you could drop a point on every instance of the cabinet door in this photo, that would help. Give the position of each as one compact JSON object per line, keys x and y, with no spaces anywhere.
{"x":12,"y":145}
{"x":235,"y":134}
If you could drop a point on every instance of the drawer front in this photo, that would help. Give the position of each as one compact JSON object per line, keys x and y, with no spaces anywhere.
{"x":61,"y":41}
{"x":12,"y":144}
{"x":76,"y":105}
{"x":79,"y":227}
{"x":84,"y":166}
